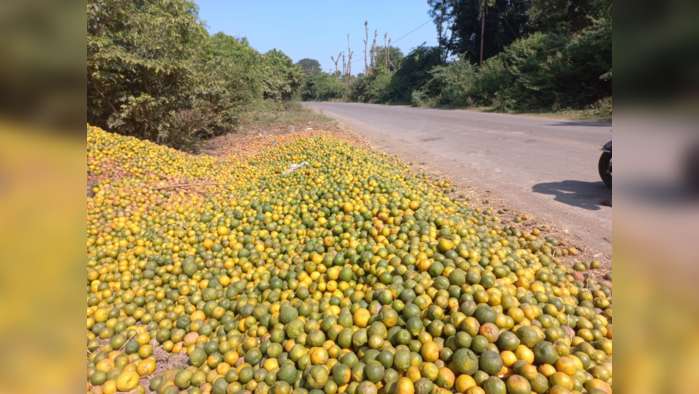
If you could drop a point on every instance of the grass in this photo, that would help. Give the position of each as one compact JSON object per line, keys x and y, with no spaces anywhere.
{"x":572,"y":114}
{"x":268,"y":114}
{"x":269,"y":118}
{"x":590,"y":114}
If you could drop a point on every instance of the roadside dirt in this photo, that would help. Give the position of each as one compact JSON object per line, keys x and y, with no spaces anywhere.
{"x":235,"y":142}
{"x":255,"y":139}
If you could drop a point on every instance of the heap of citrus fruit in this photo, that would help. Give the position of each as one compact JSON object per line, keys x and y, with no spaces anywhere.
{"x":349,"y":275}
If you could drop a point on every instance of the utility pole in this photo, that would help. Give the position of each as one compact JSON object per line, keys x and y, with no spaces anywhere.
{"x":482,"y":32}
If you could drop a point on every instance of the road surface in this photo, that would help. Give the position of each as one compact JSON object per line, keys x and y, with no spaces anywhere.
{"x":546,"y":167}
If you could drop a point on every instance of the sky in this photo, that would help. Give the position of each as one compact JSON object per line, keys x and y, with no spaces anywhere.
{"x":317,"y":29}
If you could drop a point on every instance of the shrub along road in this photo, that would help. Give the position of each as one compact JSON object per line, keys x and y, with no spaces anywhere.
{"x":543,"y":166}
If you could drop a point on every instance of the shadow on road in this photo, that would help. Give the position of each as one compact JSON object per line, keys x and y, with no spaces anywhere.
{"x":586,"y":195}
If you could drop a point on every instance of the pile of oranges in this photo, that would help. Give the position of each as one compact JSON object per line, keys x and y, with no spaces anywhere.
{"x":348,"y":275}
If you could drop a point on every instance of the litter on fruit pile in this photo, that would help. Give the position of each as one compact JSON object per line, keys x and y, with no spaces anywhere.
{"x":295,"y":167}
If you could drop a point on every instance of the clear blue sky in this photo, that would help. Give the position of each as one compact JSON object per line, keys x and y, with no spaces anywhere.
{"x":317,"y":29}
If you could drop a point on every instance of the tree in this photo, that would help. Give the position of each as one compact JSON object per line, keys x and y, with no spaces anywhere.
{"x":395,"y":58}
{"x":154,"y":72}
{"x":442,"y":14}
{"x":309,"y":65}
{"x":281,"y":77}
{"x":335,"y":61}
{"x":372,"y":88}
{"x":568,"y":15}
{"x":372,"y":53}
{"x":322,"y":87}
{"x":349,"y":62}
{"x":366,"y":41}
{"x":413,"y":72}
{"x":505,"y":22}
{"x":451,"y":84}
{"x":237,"y":63}
{"x":140,"y":71}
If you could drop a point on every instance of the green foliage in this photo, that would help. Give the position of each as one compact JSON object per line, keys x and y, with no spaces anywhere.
{"x":281,"y":78}
{"x":395,"y":56}
{"x":419,"y":98}
{"x":271,"y":115}
{"x":563,"y":15}
{"x":451,"y":85}
{"x":492,"y":76}
{"x":551,"y":71}
{"x":554,"y":70}
{"x":309,"y":66}
{"x":139,"y":64}
{"x":323,"y":87}
{"x":414,"y":73}
{"x":536,"y":70}
{"x":237,"y":64}
{"x":506,"y":21}
{"x":154,"y":72}
{"x":603,"y":108}
{"x":442,"y":14}
{"x":540,"y":54}
{"x":373,"y":88}
{"x":566,"y":65}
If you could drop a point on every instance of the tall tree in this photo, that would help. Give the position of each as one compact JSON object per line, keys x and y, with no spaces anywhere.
{"x":349,"y":61}
{"x":366,"y":41}
{"x":442,"y":14}
{"x":571,"y":15}
{"x":414,"y":72}
{"x":140,"y":68}
{"x":505,"y":22}
{"x":281,"y":77}
{"x":372,"y":54}
{"x":337,"y":75}
{"x":394,"y":58}
{"x":309,"y":65}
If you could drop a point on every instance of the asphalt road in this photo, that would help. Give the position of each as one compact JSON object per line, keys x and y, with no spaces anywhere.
{"x":546,"y":167}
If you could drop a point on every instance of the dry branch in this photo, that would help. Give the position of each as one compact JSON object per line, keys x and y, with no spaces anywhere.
{"x":188,"y":185}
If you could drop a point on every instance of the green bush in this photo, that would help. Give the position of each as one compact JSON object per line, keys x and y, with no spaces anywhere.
{"x":603,"y":108}
{"x":492,"y":77}
{"x":373,"y":88}
{"x":421,"y":99}
{"x":451,"y":85}
{"x":154,"y":72}
{"x":281,"y":78}
{"x":320,"y":86}
{"x":414,"y":73}
{"x":542,"y":71}
{"x":561,"y":60}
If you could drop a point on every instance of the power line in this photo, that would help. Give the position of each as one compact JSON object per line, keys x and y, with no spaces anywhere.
{"x":402,"y":37}
{"x":412,"y":31}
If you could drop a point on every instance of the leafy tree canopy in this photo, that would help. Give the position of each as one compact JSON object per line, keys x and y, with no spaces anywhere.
{"x":309,"y":65}
{"x":154,"y":72}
